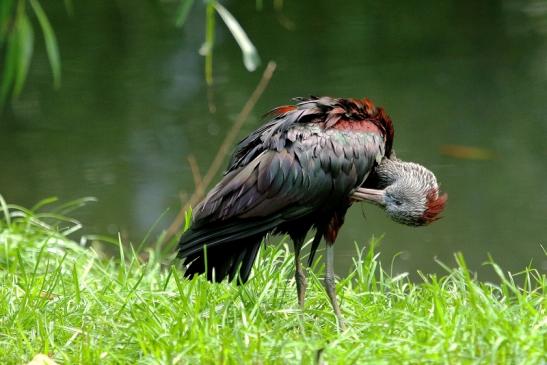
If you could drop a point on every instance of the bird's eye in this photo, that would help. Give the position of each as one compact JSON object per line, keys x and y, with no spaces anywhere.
{"x":398,"y":203}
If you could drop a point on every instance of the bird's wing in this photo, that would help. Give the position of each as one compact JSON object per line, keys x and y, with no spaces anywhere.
{"x":312,"y":110}
{"x":283,"y":119}
{"x":296,"y":171}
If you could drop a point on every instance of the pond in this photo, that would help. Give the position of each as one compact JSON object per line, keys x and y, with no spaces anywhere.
{"x":464,"y":82}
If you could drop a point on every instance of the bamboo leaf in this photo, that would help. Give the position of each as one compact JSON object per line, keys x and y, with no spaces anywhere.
{"x":50,"y":41}
{"x":182,"y":12}
{"x":6,"y":14}
{"x":10,"y":67}
{"x":8,"y":48}
{"x":25,"y":40}
{"x":251,"y":60}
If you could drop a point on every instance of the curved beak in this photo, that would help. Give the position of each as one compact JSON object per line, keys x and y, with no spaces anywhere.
{"x":369,"y":195}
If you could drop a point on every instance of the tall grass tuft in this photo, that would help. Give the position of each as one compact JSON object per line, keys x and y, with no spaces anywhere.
{"x":68,"y":302}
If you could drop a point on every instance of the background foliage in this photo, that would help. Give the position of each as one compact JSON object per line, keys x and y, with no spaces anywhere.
{"x":18,"y":22}
{"x":19,"y":19}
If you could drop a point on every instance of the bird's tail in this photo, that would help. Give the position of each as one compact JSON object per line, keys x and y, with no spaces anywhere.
{"x":233,"y":261}
{"x":226,"y":251}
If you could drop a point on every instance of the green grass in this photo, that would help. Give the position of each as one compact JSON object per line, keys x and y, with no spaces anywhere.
{"x":69,"y":302}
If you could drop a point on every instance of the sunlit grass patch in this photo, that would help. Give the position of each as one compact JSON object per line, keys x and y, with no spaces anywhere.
{"x":65,"y":300}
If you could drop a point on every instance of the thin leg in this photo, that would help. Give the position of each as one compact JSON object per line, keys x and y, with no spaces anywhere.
{"x":330,"y":286}
{"x":299,"y":276}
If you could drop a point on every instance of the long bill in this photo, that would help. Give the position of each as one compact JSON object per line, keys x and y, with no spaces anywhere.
{"x":369,"y":195}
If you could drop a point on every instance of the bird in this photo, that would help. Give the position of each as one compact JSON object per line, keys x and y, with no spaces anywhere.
{"x":302,"y":170}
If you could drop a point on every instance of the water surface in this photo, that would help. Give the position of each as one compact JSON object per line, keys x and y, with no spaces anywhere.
{"x":133,"y":106}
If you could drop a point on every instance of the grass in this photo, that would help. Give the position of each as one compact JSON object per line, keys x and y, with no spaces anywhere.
{"x":70,"y":303}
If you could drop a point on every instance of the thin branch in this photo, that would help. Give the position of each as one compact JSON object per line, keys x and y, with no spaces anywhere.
{"x":222,"y":151}
{"x":196,"y":174}
{"x":240,"y":120}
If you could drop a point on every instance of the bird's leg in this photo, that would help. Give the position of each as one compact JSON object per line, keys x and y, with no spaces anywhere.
{"x":330,"y":285}
{"x":299,"y":276}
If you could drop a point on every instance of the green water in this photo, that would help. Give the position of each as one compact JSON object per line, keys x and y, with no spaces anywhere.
{"x":133,"y":106}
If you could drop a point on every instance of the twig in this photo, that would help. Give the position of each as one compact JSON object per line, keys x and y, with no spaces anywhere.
{"x":240,"y":120}
{"x":196,"y":174}
{"x":222,"y":151}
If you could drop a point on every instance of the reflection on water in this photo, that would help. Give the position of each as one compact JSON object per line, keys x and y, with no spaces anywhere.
{"x":133,"y":106}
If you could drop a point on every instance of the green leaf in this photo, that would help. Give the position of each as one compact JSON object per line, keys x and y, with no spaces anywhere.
{"x":6,"y":14}
{"x":25,"y":40}
{"x":182,"y":12}
{"x":50,"y":41}
{"x":251,"y":60}
{"x":10,"y":67}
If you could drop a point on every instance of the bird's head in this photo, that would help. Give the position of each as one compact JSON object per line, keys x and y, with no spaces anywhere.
{"x":410,"y":193}
{"x":409,"y":204}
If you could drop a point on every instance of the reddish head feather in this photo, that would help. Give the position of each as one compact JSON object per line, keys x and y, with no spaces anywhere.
{"x":435,"y":206}
{"x":281,"y":110}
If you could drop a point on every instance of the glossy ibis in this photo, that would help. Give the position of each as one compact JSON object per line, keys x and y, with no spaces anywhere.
{"x":301,"y":170}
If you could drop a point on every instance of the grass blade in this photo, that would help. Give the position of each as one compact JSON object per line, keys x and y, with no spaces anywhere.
{"x":42,"y":203}
{"x":5,"y":210}
{"x":74,"y":204}
{"x":251,"y":60}
{"x":50,"y":41}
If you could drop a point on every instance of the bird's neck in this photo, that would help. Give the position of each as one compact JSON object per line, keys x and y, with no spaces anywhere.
{"x":393,"y":171}
{"x":390,"y":171}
